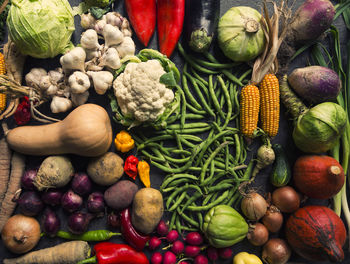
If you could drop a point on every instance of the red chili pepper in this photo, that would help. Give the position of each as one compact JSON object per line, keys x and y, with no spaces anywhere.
{"x":170,"y":14}
{"x":112,"y":253}
{"x":130,"y":166}
{"x":22,"y":114}
{"x":142,"y":16}
{"x":129,"y":233}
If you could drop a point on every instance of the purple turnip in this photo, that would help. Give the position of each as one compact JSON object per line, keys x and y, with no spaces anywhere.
{"x":315,"y":84}
{"x":311,"y":19}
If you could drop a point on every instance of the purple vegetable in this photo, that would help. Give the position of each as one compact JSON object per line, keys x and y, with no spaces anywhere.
{"x":316,"y":84}
{"x":50,"y":223}
{"x":225,"y":253}
{"x":177,"y":247}
{"x":95,"y":203}
{"x":29,"y":203}
{"x":52,"y":197}
{"x":71,"y":201}
{"x":156,"y":258}
{"x":162,"y":228}
{"x":81,"y":183}
{"x":28,"y":178}
{"x":169,"y":258}
{"x":78,"y":222}
{"x":311,"y":19}
{"x":192,"y":251}
{"x":200,"y":259}
{"x":154,"y":243}
{"x":113,"y":220}
{"x":194,"y":238}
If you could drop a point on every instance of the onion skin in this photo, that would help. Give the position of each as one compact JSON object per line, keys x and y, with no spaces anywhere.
{"x":286,"y":199}
{"x":258,"y":234}
{"x":21,"y":233}
{"x":276,"y":251}
{"x":254,"y":206}
{"x":273,"y":219}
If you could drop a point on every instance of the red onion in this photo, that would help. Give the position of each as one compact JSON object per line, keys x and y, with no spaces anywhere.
{"x":71,"y":201}
{"x":95,"y":203}
{"x":28,"y":178}
{"x":52,"y":197}
{"x":30,"y":204}
{"x":78,"y":222}
{"x":50,"y":222}
{"x":81,"y":183}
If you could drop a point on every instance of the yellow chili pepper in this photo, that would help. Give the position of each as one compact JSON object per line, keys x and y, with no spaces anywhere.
{"x":143,"y":169}
{"x":124,"y":142}
{"x":246,"y":258}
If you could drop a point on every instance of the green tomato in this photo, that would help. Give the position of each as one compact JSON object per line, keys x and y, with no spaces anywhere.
{"x":224,"y":226}
{"x":240,"y":35}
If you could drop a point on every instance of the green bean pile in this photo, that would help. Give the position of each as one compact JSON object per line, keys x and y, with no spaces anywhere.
{"x":203,"y":153}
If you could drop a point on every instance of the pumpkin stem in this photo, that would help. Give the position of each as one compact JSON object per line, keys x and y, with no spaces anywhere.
{"x":334,"y":170}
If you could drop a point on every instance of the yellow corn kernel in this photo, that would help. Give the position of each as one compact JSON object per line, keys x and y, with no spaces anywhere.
{"x":270,"y":104}
{"x":2,"y":71}
{"x":249,"y":112}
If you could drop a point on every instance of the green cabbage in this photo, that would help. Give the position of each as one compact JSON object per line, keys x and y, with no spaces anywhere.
{"x":41,"y":28}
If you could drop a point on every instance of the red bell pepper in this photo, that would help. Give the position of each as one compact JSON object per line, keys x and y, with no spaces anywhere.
{"x":129,"y":233}
{"x":142,"y":16}
{"x":170,"y":14}
{"x":112,"y":253}
{"x":130,"y":166}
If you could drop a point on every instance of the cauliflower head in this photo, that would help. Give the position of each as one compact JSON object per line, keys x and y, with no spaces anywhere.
{"x":139,"y":93}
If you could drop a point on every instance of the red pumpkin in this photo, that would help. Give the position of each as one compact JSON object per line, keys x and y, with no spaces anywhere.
{"x":316,"y":233}
{"x":319,"y":177}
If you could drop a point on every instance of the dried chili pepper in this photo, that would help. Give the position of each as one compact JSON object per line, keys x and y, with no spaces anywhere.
{"x":129,"y":233}
{"x":142,"y":16}
{"x":123,"y":141}
{"x":22,"y":114}
{"x":112,"y":253}
{"x":143,"y":169}
{"x":170,"y":14}
{"x":130,"y":166}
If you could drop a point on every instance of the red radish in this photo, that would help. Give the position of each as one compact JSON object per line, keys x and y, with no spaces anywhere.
{"x":154,"y":242}
{"x":177,"y":247}
{"x":172,"y":236}
{"x":156,"y":258}
{"x":192,"y":251}
{"x":212,"y":253}
{"x":162,"y":228}
{"x":200,"y":259}
{"x":225,"y":253}
{"x":194,"y":239}
{"x":169,"y":258}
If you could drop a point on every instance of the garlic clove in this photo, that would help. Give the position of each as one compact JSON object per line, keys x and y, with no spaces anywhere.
{"x":73,"y":60}
{"x":110,"y":59}
{"x":60,"y":104}
{"x":89,"y":40}
{"x":126,"y":48}
{"x":79,"y":99}
{"x":78,"y":82}
{"x":33,"y":78}
{"x":45,"y":82}
{"x":87,"y":21}
{"x":56,"y":76}
{"x":52,"y":90}
{"x":102,"y":81}
{"x":99,"y":25}
{"x":112,"y":35}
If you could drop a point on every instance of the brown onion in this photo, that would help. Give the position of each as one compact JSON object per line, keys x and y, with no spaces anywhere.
{"x":21,"y":233}
{"x":276,"y":251}
{"x":254,"y":206}
{"x":273,"y":219}
{"x":258,"y":234}
{"x":286,"y":199}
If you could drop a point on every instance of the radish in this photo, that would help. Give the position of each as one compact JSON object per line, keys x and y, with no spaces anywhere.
{"x":162,"y":228}
{"x":154,"y":242}
{"x":194,"y":239}
{"x":156,"y":258}
{"x":225,"y":253}
{"x":201,"y":259}
{"x":172,"y":236}
{"x":192,"y":251}
{"x":169,"y":258}
{"x":177,"y":247}
{"x":212,"y":253}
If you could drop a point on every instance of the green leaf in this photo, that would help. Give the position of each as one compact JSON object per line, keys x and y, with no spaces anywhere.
{"x":168,"y":79}
{"x":98,"y":12}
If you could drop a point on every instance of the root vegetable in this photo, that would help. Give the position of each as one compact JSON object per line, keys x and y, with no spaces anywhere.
{"x":28,"y":178}
{"x":126,"y":47}
{"x":273,"y":219}
{"x":5,"y":166}
{"x":121,"y":194}
{"x":286,"y":199}
{"x":68,"y":253}
{"x":276,"y":251}
{"x":78,"y":222}
{"x":254,"y":206}
{"x":79,"y":82}
{"x":112,"y":35}
{"x":52,"y":197}
{"x":14,"y":61}
{"x":71,"y":201}
{"x":258,"y":234}
{"x":54,"y":172}
{"x":87,"y":21}
{"x":99,"y":25}
{"x":56,"y":76}
{"x":73,"y":60}
{"x":34,"y":77}
{"x":81,"y":183}
{"x":60,"y":104}
{"x":79,"y":99}
{"x":30,"y":204}
{"x":265,"y":157}
{"x":13,"y":185}
{"x":111,"y":59}
{"x":50,"y":222}
{"x":89,"y":40}
{"x":102,"y":81}
{"x":20,"y":233}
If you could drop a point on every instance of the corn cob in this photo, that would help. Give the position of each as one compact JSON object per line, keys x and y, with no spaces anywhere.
{"x":270,"y":104}
{"x":2,"y":71}
{"x":249,"y":112}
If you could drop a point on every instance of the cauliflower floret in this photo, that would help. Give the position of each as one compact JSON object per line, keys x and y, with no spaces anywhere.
{"x":139,"y":93}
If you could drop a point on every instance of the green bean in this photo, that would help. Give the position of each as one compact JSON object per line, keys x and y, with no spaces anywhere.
{"x":169,"y":189}
{"x":216,"y":177}
{"x":216,"y":65}
{"x":233,"y":199}
{"x":187,"y":92}
{"x":194,"y":116}
{"x":183,"y":109}
{"x":214,"y":98}
{"x":181,"y":151}
{"x":195,"y":110}
{"x":188,"y":125}
{"x":194,"y":81}
{"x":198,"y":169}
{"x":90,"y":236}
{"x":209,"y":206}
{"x":200,"y":220}
{"x":152,"y":157}
{"x":172,"y":220}
{"x":173,"y":195}
{"x":178,"y":202}
{"x":192,"y":199}
{"x":245,"y":74}
{"x":178,"y":225}
{"x":204,"y":89}
{"x":198,"y":77}
{"x":219,"y":187}
{"x":155,"y":145}
{"x":178,"y":182}
{"x":187,"y":219}
{"x":228,"y":102}
{"x":177,"y":176}
{"x":211,"y":157}
{"x":238,"y":148}
{"x":193,"y":64}
{"x":190,"y":229}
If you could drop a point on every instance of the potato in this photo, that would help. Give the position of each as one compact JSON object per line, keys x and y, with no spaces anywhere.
{"x":147,"y":210}
{"x":106,"y":169}
{"x":121,"y":194}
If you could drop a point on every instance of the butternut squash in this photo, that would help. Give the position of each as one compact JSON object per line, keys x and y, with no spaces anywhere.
{"x":86,"y":131}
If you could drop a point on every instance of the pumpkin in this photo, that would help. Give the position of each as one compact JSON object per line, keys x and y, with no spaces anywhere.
{"x":316,"y":233}
{"x":86,"y":131}
{"x":319,"y":177}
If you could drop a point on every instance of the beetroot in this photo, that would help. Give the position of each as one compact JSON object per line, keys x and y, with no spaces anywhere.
{"x":311,"y":19}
